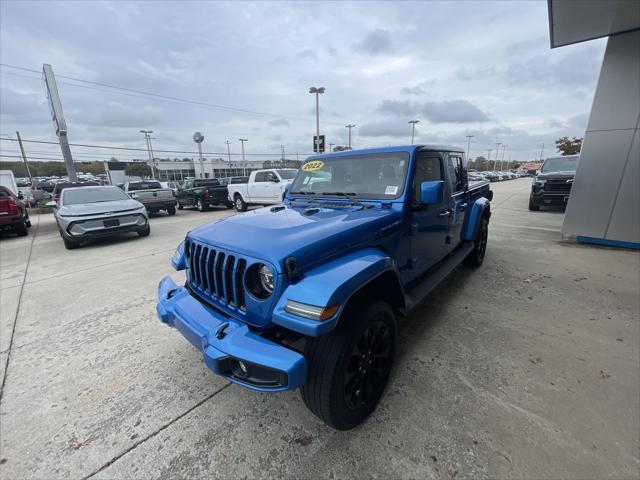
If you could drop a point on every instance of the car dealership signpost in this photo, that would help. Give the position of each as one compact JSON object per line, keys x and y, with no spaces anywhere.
{"x":55,"y":107}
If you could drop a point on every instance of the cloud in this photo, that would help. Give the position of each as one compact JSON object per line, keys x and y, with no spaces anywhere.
{"x":448,"y":111}
{"x":417,"y":90}
{"x":375,"y":42}
{"x":279,"y":122}
{"x":385,"y":128}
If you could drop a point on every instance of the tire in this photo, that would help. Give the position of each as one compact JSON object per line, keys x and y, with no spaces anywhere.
{"x":476,"y":257}
{"x":201,"y":206}
{"x":22,"y":228}
{"x":228,"y":205}
{"x":146,"y":231}
{"x":28,"y":222}
{"x":532,"y":206}
{"x":69,"y":244}
{"x":239,"y":203}
{"x":343,"y":387}
{"x":180,"y":206}
{"x":171,"y":210}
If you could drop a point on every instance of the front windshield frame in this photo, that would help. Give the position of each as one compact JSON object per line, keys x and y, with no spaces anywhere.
{"x":118,"y":195}
{"x":324,"y":173}
{"x":548,"y":168}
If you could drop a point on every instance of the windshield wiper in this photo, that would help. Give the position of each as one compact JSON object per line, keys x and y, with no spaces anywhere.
{"x":340,"y":194}
{"x":302,"y":193}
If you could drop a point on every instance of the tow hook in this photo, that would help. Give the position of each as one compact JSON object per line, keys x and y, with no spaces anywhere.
{"x":171,"y":293}
{"x":221,"y":332}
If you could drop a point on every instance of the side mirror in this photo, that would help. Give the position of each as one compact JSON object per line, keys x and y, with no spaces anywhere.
{"x":273,"y":178}
{"x":431,"y":192}
{"x":51,"y":204}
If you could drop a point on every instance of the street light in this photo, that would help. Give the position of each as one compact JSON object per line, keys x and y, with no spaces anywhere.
{"x":504,"y":149}
{"x":228,"y":150}
{"x":413,"y":129}
{"x":318,"y":91}
{"x":350,"y":126}
{"x":495,"y":163}
{"x":244,"y":163}
{"x":149,"y":150}
{"x":469,"y":137}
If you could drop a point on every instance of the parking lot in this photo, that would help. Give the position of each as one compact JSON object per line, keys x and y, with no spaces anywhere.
{"x":525,"y":368}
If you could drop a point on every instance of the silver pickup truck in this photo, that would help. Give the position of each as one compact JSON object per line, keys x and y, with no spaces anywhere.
{"x":151,"y":194}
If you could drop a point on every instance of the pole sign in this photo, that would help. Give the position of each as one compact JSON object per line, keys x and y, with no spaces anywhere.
{"x":318,"y":144}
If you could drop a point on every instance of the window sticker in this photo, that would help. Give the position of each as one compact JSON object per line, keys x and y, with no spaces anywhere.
{"x":312,"y":166}
{"x":391,"y":190}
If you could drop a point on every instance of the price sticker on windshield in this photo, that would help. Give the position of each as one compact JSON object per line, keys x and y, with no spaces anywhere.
{"x":312,"y":166}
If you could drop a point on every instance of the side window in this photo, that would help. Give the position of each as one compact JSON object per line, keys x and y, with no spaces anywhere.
{"x":261,"y":177}
{"x":455,"y":169}
{"x":428,"y":168}
{"x":188,"y":185}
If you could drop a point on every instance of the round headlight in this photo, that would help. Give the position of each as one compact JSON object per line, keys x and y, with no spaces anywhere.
{"x":266,"y":279}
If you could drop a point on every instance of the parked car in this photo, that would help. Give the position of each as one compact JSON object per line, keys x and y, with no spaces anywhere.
{"x":552,"y":185}
{"x":87,"y":212}
{"x":152,"y":196}
{"x":264,"y":187}
{"x":60,"y":186}
{"x":475,"y":177}
{"x":306,"y":294}
{"x":174,"y":186}
{"x":203,"y":194}
{"x":13,"y":212}
{"x":492,"y":176}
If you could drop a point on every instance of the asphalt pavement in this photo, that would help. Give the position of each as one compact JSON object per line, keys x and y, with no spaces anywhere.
{"x":525,"y":368}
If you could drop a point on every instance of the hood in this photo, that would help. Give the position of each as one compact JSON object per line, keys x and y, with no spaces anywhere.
{"x":556,"y":175}
{"x":308,"y":233}
{"x":99,"y":208}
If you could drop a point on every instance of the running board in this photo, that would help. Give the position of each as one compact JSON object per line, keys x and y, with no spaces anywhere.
{"x":424,"y":286}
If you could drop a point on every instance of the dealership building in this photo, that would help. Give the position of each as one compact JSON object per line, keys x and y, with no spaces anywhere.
{"x":604,"y":206}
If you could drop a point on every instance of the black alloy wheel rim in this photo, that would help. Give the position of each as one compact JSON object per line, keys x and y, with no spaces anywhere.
{"x":368,"y":366}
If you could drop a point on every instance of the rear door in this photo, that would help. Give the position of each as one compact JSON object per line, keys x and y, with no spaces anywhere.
{"x":429,"y":223}
{"x":458,"y":198}
{"x":257,"y":188}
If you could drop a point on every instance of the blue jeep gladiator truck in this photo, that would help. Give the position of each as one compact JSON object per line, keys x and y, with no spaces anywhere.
{"x":307,"y":294}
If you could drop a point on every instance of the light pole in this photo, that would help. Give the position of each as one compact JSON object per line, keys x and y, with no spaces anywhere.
{"x":244,"y":163}
{"x":228,"y":149}
{"x":413,"y":129}
{"x":495,"y":163}
{"x":541,"y":150}
{"x":489,"y":158}
{"x":318,"y":91}
{"x":199,"y":138}
{"x":504,"y":149}
{"x":149,"y":150}
{"x":350,"y":126}
{"x":469,"y":137}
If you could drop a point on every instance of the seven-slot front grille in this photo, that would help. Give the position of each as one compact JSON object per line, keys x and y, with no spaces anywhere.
{"x":216,"y":274}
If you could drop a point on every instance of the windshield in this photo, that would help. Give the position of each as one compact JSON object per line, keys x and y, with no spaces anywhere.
{"x":560,"y":164}
{"x":144,"y":185}
{"x":76,"y":196}
{"x":375,"y":175}
{"x":287,"y":174}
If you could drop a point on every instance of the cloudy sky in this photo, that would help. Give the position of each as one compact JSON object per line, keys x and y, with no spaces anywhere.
{"x":237,"y":69}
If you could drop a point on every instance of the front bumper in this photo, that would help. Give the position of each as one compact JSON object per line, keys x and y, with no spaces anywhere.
{"x":541,"y":197}
{"x":79,"y":228}
{"x":224,"y":341}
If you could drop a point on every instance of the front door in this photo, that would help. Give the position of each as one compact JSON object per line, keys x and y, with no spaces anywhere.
{"x":457,"y":193}
{"x":430,"y":223}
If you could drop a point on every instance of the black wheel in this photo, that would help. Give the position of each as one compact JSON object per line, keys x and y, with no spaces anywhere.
{"x":476,"y":257}
{"x":240,"y":205}
{"x":532,"y":206}
{"x":180,"y":206}
{"x":69,"y":244}
{"x":228,"y":205}
{"x":201,"y":206}
{"x":28,"y":221}
{"x":171,"y":210}
{"x":349,"y":367}
{"x":147,"y":230}
{"x":22,"y":228}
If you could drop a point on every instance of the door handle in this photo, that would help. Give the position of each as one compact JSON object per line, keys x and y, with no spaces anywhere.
{"x":444,"y":213}
{"x":463,"y":206}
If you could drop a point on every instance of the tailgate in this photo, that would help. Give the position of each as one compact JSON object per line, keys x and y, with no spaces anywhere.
{"x":152,"y":195}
